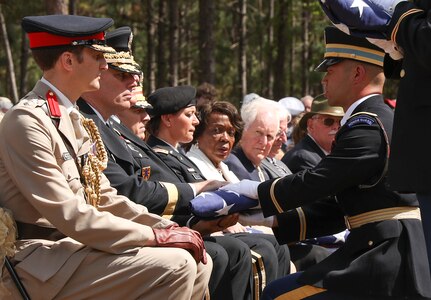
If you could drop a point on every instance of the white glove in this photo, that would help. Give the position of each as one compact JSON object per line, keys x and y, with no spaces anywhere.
{"x":255,"y":218}
{"x":389,"y":47}
{"x":245,"y":187}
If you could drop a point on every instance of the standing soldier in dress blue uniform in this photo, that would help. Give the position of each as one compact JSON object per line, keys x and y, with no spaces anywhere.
{"x":403,"y":30}
{"x":384,"y":256}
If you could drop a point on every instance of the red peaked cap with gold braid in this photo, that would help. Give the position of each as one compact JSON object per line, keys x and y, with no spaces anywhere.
{"x":67,"y":30}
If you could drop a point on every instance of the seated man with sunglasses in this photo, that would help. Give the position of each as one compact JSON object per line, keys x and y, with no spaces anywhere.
{"x":321,"y":123}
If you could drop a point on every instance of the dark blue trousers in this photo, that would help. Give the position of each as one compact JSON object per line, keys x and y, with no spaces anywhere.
{"x":425,"y":206}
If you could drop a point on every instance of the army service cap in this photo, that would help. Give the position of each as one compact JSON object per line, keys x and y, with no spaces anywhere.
{"x":122,"y":60}
{"x":67,"y":30}
{"x":169,"y":100}
{"x":340,"y":45}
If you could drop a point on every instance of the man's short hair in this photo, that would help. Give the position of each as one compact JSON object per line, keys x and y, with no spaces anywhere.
{"x":47,"y":57}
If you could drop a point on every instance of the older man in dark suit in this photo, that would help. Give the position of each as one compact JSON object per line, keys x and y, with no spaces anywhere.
{"x":321,"y":124}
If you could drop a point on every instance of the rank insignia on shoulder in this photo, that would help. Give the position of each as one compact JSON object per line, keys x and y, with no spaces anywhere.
{"x":360,"y":120}
{"x":197,"y":176}
{"x":191,"y":170}
{"x":66,"y":156}
{"x":146,"y":172}
{"x":160,"y":150}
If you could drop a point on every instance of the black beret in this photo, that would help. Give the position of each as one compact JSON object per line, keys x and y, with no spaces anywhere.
{"x":121,"y":40}
{"x":67,"y":30}
{"x":340,"y":45}
{"x":170,"y":100}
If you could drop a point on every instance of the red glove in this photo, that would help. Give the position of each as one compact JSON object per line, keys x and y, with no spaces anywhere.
{"x":182,"y":237}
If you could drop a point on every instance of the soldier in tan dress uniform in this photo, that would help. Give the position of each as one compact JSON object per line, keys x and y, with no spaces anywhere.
{"x":78,"y":239}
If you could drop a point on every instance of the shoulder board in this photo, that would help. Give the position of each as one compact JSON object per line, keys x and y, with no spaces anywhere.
{"x":160,"y":150}
{"x":361,"y":118}
{"x":32,"y":100}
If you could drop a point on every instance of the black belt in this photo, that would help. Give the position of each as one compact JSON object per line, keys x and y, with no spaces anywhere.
{"x":28,"y":231}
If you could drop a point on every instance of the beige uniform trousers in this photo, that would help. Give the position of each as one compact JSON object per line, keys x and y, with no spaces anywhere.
{"x":150,"y":273}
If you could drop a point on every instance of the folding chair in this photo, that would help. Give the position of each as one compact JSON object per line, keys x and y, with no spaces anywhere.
{"x":7,"y":249}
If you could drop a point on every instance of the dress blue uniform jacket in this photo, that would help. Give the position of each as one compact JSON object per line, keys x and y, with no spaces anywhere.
{"x":177,"y":162}
{"x":137,"y":172}
{"x":410,"y":161}
{"x":385,"y":258}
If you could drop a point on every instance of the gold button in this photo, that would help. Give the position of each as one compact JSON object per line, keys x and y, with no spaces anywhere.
{"x":370,"y":243}
{"x":402,"y":73}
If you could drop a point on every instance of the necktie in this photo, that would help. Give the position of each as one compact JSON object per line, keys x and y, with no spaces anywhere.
{"x":260,"y":173}
{"x":278,"y":167}
{"x":75,"y":117}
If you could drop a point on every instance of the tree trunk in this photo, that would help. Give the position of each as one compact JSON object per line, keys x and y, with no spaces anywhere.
{"x":150,"y":76}
{"x":186,"y":38}
{"x":25,"y":53}
{"x":173,"y":42}
{"x":10,"y":66}
{"x":242,"y":46}
{"x":161,"y":47}
{"x":57,"y":7}
{"x":269,"y":54}
{"x":206,"y":41}
{"x":305,"y":22}
{"x":291,"y":78}
{"x":72,"y":7}
{"x":282,"y":42}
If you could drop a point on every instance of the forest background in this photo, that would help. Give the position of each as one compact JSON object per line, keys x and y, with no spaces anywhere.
{"x":268,"y":47}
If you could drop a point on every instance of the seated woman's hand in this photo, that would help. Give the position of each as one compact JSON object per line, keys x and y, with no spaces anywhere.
{"x":237,"y":228}
{"x":206,"y":227}
{"x":208,"y":185}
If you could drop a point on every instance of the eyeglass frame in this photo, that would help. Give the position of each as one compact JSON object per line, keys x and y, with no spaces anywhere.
{"x":325,"y":119}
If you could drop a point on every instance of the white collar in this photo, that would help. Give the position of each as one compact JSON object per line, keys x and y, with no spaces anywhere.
{"x":352,"y":107}
{"x":116,"y":119}
{"x":324,"y":151}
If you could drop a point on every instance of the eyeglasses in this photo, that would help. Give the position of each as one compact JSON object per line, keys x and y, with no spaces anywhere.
{"x":280,"y":133}
{"x":327,"y":121}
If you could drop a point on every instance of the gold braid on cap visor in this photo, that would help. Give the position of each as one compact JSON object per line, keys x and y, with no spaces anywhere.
{"x":94,"y":164}
{"x":364,"y":54}
{"x":122,"y":60}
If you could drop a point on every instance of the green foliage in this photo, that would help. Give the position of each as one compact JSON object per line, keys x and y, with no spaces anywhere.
{"x":133,"y":13}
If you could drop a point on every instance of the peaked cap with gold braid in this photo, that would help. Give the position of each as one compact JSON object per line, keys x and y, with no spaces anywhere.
{"x":121,"y":40}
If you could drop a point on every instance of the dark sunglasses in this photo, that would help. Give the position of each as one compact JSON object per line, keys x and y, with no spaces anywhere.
{"x":327,"y":121}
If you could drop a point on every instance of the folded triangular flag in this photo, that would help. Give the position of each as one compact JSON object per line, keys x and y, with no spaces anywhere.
{"x":220,"y":203}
